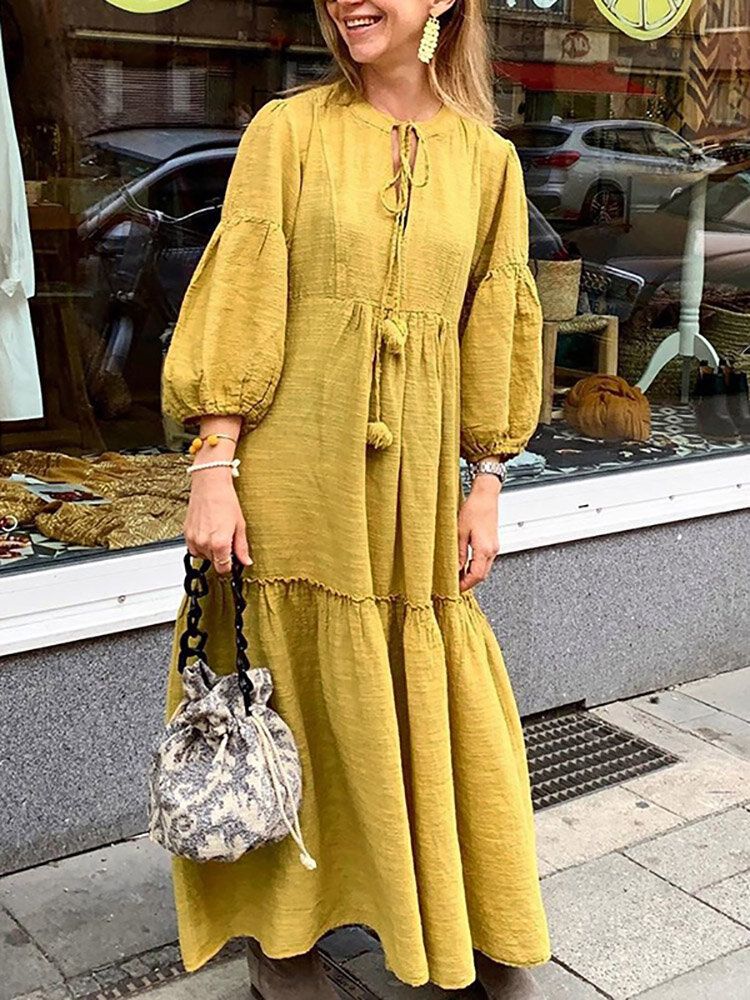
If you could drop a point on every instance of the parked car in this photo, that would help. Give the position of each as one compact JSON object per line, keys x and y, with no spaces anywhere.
{"x":141,"y":242}
{"x":597,"y":171}
{"x":651,"y":246}
{"x":173,"y":171}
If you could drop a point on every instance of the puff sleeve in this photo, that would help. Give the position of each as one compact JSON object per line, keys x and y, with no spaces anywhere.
{"x":227,"y":348}
{"x":501,"y":336}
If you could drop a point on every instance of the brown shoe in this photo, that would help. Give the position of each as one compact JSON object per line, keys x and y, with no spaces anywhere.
{"x":506,"y":982}
{"x":301,"y":977}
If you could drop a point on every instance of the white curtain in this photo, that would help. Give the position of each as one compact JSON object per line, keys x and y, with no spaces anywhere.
{"x":20,"y":390}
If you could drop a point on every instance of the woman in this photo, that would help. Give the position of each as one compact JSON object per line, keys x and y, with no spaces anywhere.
{"x":363,"y":315}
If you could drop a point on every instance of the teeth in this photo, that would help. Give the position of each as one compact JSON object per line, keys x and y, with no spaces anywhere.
{"x":358,"y":22}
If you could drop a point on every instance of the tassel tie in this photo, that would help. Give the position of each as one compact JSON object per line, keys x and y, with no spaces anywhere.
{"x":391,"y":327}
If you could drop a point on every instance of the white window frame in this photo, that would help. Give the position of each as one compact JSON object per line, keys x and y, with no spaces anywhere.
{"x":120,"y":592}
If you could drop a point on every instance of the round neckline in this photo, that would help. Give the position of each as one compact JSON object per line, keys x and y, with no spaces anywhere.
{"x":385,"y":122}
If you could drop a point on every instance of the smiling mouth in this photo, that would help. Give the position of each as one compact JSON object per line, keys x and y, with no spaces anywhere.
{"x":359,"y":25}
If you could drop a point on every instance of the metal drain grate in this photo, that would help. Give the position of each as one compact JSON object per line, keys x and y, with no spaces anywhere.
{"x":577,"y":753}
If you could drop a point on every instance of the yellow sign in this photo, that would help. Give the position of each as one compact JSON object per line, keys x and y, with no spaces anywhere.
{"x":146,"y":6}
{"x":644,"y":19}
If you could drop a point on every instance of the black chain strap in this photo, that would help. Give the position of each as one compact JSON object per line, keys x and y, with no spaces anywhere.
{"x":193,"y":639}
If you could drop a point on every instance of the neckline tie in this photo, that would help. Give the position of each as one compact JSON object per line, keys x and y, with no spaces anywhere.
{"x":392,"y":329}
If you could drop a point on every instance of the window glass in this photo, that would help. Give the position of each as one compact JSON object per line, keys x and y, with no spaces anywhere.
{"x":126,"y":128}
{"x":600,"y":138}
{"x":631,"y":140}
{"x":537,"y":137}
{"x":668,"y":144}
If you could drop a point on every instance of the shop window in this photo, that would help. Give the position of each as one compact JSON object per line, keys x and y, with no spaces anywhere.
{"x":126,"y":145}
{"x":192,"y":189}
{"x":553,"y":9}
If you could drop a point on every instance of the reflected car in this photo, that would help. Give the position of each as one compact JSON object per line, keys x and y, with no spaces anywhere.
{"x":651,"y":245}
{"x":599,"y":171}
{"x":173,"y":171}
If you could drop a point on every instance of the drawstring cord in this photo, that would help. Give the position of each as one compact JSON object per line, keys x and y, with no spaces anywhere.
{"x":279,"y":782}
{"x":392,"y":329}
{"x":278,"y":778}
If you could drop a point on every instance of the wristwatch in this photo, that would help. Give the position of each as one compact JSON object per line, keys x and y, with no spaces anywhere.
{"x":498,"y":469}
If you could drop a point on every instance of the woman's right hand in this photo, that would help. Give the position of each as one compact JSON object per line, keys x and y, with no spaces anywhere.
{"x":214,"y":526}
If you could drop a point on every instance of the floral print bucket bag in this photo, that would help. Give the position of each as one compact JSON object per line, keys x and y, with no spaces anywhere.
{"x":225,"y":775}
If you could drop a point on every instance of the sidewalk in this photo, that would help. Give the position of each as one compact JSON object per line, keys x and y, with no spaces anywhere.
{"x":646,"y":883}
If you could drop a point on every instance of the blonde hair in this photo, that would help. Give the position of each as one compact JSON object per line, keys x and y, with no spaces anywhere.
{"x":460,"y":72}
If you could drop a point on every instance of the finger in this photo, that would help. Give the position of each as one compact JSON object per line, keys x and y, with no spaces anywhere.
{"x":241,"y":546}
{"x":196,"y":550}
{"x":221,"y":557}
{"x":478,"y":570}
{"x":463,"y":547}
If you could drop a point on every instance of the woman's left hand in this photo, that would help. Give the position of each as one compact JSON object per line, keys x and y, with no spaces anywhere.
{"x":477,"y":525}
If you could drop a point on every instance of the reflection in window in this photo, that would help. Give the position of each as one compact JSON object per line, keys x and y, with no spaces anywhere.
{"x":127,"y":143}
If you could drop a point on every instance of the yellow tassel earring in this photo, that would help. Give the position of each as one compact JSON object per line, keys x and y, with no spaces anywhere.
{"x":429,"y":41}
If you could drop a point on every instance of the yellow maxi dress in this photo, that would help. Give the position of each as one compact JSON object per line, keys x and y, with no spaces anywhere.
{"x":369,"y":332}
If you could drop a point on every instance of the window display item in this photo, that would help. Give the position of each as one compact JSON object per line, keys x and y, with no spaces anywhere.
{"x":558,"y":283}
{"x":110,"y":500}
{"x":714,"y":406}
{"x":20,"y":389}
{"x":729,"y":331}
{"x":225,"y":777}
{"x":18,"y":503}
{"x":608,"y":407}
{"x":120,"y":524}
{"x":568,"y":453}
{"x":738,"y":404}
{"x":14,"y":544}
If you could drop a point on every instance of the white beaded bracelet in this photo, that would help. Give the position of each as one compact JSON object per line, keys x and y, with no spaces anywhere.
{"x":234,"y":465}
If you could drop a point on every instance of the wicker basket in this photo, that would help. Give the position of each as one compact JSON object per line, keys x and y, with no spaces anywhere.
{"x":634,"y":353}
{"x":729,"y":333}
{"x":558,"y":283}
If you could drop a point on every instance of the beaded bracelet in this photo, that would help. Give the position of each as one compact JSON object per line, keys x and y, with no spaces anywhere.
{"x":212,"y":439}
{"x":233,"y":465}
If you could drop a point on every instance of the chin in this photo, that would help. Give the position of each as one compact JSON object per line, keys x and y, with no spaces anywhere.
{"x":366,"y":55}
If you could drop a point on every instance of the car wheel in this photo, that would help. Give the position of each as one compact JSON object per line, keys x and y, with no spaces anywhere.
{"x":604,"y":203}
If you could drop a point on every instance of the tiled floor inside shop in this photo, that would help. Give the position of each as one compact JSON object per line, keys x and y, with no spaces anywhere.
{"x":646,"y":884}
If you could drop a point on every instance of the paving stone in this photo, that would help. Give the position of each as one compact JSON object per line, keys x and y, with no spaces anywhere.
{"x":347,"y":943}
{"x":59,"y":992}
{"x":701,"y":853}
{"x":729,"y":691}
{"x":98,"y":908}
{"x":24,"y":967}
{"x":625,"y":930}
{"x":596,"y":824}
{"x":731,"y":896}
{"x":723,"y":730}
{"x":559,"y":984}
{"x":216,"y":981}
{"x":370,"y":970}
{"x":663,"y":734}
{"x":672,"y":706}
{"x":544,"y":867}
{"x":725,"y":978}
{"x":705,"y":782}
